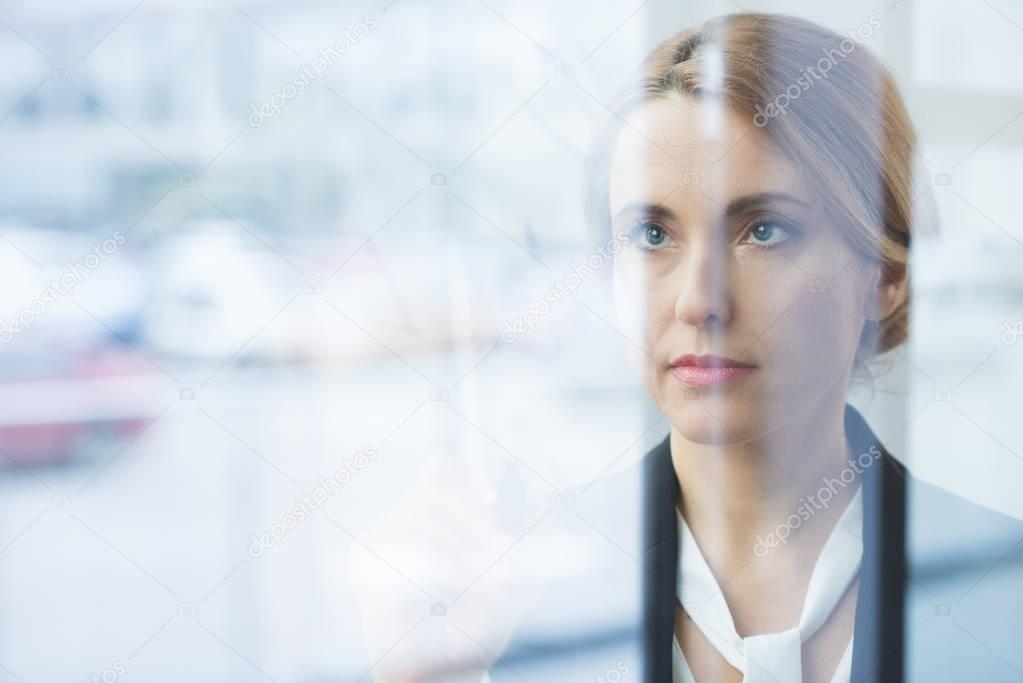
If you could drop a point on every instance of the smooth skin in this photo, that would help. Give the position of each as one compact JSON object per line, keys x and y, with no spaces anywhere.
{"x":731,"y":255}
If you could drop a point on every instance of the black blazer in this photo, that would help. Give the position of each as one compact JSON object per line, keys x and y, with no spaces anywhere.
{"x":896,"y":507}
{"x":940,"y":597}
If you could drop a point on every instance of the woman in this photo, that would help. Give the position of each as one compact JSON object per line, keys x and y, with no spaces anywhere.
{"x":761,"y":173}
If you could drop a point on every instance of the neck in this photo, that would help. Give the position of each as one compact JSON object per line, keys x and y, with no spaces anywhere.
{"x":734,"y":493}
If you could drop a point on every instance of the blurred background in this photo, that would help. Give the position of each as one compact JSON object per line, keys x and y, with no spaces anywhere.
{"x":260,"y":260}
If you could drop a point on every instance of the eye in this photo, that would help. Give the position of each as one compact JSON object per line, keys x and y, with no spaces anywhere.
{"x":768,"y":232}
{"x":649,"y":236}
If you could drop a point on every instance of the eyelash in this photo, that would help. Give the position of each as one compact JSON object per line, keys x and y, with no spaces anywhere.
{"x":638,"y":231}
{"x":764,"y":219}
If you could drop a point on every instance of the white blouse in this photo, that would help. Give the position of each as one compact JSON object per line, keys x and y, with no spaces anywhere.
{"x":770,"y":657}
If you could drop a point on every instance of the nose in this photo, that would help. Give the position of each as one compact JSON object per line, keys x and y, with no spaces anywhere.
{"x":704,"y":297}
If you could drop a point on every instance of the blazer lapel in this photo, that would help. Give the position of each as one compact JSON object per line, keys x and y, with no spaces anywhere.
{"x":878,"y":636}
{"x":660,"y":561}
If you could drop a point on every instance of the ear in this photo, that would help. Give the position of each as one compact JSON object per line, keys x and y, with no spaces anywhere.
{"x":889,"y":289}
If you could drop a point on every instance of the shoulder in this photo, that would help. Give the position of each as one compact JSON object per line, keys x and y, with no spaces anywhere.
{"x":940,"y":521}
{"x":963,"y":600}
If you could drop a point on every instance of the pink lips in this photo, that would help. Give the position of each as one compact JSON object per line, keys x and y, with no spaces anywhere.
{"x":705,"y":371}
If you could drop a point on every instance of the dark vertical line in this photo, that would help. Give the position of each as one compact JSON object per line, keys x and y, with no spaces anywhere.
{"x":891,"y":631}
{"x":660,"y":562}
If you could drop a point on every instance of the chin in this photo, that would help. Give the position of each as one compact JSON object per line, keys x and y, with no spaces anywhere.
{"x":711,"y":416}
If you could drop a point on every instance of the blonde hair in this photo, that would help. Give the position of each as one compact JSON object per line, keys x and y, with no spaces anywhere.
{"x":846,"y":128}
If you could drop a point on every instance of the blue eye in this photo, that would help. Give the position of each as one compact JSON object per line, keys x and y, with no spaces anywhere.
{"x":649,"y":236}
{"x":766,"y":232}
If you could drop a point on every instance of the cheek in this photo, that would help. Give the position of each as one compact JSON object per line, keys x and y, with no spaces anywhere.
{"x":644,"y":299}
{"x":811,"y":325}
{"x":816,"y":333}
{"x":644,"y":306}
{"x":630,"y":299}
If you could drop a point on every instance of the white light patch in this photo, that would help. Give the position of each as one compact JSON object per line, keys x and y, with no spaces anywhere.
{"x":714,"y":74}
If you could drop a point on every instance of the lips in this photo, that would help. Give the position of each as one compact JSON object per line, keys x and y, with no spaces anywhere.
{"x":705,"y":371}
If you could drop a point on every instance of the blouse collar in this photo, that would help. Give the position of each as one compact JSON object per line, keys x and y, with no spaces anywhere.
{"x":877,"y":654}
{"x":771,"y":656}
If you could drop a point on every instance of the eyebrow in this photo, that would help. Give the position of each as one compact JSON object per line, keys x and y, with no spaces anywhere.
{"x":738,"y":205}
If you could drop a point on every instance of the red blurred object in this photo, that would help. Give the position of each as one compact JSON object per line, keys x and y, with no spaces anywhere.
{"x":66,"y":440}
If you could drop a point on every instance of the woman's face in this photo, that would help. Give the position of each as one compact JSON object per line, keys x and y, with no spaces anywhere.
{"x":729,"y":255}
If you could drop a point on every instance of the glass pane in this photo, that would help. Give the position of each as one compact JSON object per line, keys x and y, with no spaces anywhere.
{"x":400,"y":341}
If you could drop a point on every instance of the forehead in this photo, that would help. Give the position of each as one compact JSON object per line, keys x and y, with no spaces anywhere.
{"x":678,"y":150}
